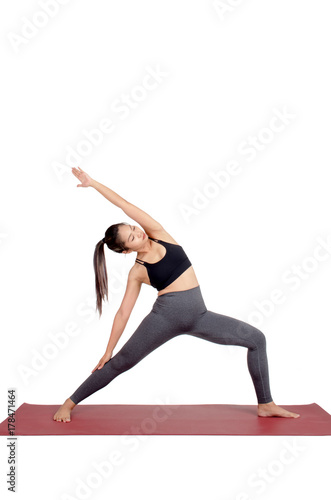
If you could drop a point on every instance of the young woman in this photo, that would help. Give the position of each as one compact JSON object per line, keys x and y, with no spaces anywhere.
{"x":179,"y":307}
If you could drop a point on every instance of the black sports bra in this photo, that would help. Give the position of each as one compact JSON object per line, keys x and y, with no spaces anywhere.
{"x":170,"y":267}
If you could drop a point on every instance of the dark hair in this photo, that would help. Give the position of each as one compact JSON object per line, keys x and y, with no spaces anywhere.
{"x":113,"y":242}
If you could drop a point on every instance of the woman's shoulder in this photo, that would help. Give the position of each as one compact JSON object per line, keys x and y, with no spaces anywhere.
{"x":162,"y":234}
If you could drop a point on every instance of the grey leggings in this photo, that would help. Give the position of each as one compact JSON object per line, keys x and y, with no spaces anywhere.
{"x":177,"y":313}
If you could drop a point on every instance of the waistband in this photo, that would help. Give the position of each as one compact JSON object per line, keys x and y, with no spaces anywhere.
{"x":180,"y":292}
{"x":180,"y":304}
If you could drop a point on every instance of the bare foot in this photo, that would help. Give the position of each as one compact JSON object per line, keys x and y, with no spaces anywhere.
{"x":63,"y":413}
{"x":272,"y":410}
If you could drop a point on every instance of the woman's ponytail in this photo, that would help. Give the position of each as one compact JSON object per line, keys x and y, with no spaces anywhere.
{"x":113,"y":242}
{"x":101,"y":278}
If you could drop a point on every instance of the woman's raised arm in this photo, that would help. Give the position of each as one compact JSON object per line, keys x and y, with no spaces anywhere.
{"x":142,"y":218}
{"x":87,"y":181}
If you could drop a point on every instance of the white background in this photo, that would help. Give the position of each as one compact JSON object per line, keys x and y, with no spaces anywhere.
{"x":225,"y":76}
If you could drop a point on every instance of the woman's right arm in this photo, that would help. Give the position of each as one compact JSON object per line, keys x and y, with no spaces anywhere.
{"x":131,"y":294}
{"x":119,"y":324}
{"x":132,"y":291}
{"x":118,"y":327}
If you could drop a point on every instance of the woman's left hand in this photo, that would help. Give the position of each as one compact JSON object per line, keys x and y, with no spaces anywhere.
{"x":84,"y":178}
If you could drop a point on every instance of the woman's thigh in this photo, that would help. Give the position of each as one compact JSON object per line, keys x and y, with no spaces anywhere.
{"x":223,"y":329}
{"x":153,"y":331}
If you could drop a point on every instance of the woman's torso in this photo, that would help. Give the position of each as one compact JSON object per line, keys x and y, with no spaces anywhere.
{"x":185,"y":281}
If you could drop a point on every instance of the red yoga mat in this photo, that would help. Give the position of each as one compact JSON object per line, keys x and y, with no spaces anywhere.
{"x":206,"y":419}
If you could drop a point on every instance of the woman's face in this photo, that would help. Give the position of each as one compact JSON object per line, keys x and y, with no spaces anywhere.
{"x":133,"y":236}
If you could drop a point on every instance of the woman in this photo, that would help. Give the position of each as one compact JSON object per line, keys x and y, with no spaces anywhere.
{"x":178,"y":309}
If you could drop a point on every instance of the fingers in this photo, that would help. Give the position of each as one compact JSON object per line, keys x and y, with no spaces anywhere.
{"x":76,"y":172}
{"x":78,"y":175}
{"x":99,"y":366}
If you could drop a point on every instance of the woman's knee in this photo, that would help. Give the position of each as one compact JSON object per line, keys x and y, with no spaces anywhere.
{"x":118,"y":362}
{"x":122,"y":361}
{"x":258,"y":337}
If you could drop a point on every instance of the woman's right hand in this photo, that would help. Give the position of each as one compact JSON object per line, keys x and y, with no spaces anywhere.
{"x":84,"y":178}
{"x":106,"y":357}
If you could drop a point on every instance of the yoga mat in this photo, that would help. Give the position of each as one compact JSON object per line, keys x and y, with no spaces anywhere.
{"x":205,"y":419}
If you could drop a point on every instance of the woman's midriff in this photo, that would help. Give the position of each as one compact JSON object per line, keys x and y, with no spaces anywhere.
{"x":185,"y":281}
